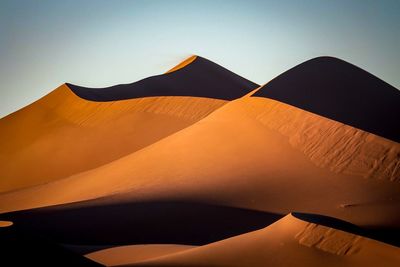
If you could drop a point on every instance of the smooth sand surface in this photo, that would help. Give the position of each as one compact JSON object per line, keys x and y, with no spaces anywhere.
{"x":130,"y":254}
{"x":234,"y":158}
{"x":288,"y":242}
{"x":62,"y":134}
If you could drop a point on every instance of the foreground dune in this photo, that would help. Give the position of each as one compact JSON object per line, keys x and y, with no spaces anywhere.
{"x":288,"y":242}
{"x":74,"y":129}
{"x":135,"y":253}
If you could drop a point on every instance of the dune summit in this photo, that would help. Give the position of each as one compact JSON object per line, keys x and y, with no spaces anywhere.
{"x":338,"y":90}
{"x":196,"y":76}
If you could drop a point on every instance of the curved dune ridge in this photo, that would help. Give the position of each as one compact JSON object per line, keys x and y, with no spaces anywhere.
{"x":63,"y":134}
{"x":183,"y":80}
{"x":288,"y":242}
{"x":135,"y":253}
{"x":340,"y":91}
{"x":208,"y":194}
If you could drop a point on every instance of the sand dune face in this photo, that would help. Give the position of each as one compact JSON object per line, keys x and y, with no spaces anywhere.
{"x":63,"y":134}
{"x":288,"y":242}
{"x":328,"y":143}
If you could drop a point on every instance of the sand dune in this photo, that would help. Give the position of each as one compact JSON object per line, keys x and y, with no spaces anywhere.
{"x":288,"y":242}
{"x":63,"y":134}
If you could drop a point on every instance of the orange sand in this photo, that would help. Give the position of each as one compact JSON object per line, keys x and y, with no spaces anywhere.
{"x":5,"y":223}
{"x":288,"y":242}
{"x":183,"y":64}
{"x":62,"y":134}
{"x":134,"y":253}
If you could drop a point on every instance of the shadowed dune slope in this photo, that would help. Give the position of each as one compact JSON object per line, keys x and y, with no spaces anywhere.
{"x":340,"y":91}
{"x":111,"y":222}
{"x":20,"y":248}
{"x":62,"y":134}
{"x":288,"y":242}
{"x":216,"y":82}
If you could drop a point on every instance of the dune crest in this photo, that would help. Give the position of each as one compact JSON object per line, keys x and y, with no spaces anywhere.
{"x":183,"y":64}
{"x":340,"y":91}
{"x":330,"y":144}
{"x":135,"y":253}
{"x":279,"y":245}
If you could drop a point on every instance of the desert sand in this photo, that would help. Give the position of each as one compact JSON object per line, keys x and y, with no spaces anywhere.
{"x":63,"y":134}
{"x":134,"y":253}
{"x":254,"y":155}
{"x":288,"y":242}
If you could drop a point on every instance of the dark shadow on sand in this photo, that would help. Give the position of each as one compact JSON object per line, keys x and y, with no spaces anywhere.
{"x":389,"y":236}
{"x":139,"y":223}
{"x":21,"y":248}
{"x":338,"y":90}
{"x":201,"y":78}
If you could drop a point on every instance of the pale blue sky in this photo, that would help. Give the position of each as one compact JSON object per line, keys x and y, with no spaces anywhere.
{"x":101,"y":43}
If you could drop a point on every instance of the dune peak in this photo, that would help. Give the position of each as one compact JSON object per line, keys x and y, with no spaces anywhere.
{"x":195,"y":76}
{"x":341,"y":91}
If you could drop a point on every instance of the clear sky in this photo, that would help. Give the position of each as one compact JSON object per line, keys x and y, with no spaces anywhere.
{"x":101,"y":43}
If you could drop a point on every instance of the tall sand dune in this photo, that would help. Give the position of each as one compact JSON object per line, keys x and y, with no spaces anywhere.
{"x":74,"y":129}
{"x":340,"y":91}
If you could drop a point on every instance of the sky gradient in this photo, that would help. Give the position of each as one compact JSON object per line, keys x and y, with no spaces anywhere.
{"x":101,"y":43}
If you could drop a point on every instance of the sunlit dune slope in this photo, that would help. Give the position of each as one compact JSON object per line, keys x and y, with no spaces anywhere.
{"x":288,"y":242}
{"x":63,"y":134}
{"x":135,"y":253}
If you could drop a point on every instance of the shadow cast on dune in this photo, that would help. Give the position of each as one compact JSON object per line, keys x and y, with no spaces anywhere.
{"x":21,"y":248}
{"x":389,"y":236}
{"x":139,"y":223}
{"x":338,"y":90}
{"x":217,"y":82}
